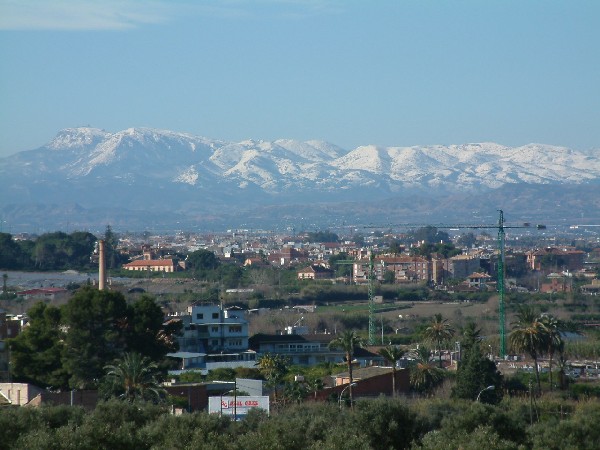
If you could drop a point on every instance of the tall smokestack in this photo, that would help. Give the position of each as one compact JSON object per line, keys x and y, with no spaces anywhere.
{"x":101,"y":266}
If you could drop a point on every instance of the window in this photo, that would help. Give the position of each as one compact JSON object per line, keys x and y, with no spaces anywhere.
{"x":214,"y":329}
{"x":199,"y":316}
{"x":235,"y":328}
{"x":215,"y":315}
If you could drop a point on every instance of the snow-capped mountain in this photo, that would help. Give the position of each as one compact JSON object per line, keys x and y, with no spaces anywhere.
{"x":142,"y":168}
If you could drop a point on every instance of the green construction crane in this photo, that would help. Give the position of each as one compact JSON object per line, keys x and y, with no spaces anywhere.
{"x":501,"y":270}
{"x":501,"y":265}
{"x":371,"y":301}
{"x":501,"y":274}
{"x":370,"y":276}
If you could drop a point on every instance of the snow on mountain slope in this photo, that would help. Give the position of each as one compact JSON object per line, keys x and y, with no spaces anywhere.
{"x":77,"y":138}
{"x":311,"y":150}
{"x":145,"y":156}
{"x":142,"y":149}
{"x":369,"y":158}
{"x":487,"y":164}
{"x":188,"y":175}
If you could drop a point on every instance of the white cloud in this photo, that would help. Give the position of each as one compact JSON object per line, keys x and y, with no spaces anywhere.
{"x":82,"y":14}
{"x":124,"y":14}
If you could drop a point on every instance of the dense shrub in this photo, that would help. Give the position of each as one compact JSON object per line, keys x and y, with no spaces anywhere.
{"x":380,"y":423}
{"x":579,"y":430}
{"x":583,"y":391}
{"x":385,"y":423}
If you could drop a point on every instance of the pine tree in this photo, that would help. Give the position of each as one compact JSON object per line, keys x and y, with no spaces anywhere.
{"x":475,"y":373}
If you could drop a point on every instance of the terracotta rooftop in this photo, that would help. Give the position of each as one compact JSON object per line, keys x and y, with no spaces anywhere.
{"x":149,"y":263}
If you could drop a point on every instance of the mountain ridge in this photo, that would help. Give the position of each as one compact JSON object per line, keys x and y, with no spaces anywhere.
{"x":147,"y":169}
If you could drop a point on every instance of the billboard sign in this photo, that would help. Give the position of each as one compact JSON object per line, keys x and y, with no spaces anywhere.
{"x":240,"y":405}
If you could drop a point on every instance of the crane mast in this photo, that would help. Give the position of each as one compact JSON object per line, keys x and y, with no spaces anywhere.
{"x":371,"y":302}
{"x":370,"y":277}
{"x":501,"y":269}
{"x":501,"y":227}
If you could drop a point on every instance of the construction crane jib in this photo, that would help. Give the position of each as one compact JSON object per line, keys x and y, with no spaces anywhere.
{"x":501,"y":227}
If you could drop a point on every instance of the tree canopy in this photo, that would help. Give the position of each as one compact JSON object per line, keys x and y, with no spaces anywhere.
{"x":71,"y":345}
{"x":203,"y":260}
{"x":430,"y":235}
{"x":424,"y":376}
{"x":528,"y":336}
{"x":146,"y":333}
{"x":376,"y":424}
{"x":113,"y":258}
{"x":322,"y":236}
{"x":427,"y":249}
{"x":474,"y":374}
{"x":438,"y":331}
{"x":466,"y":240}
{"x":134,"y":377}
{"x":97,"y":324}
{"x":50,"y":251}
{"x":348,"y":341}
{"x":341,"y":270}
{"x":36,"y":353}
{"x":12,"y":255}
{"x":392,"y":355}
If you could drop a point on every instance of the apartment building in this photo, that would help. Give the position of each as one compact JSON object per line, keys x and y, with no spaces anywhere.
{"x":214,"y":337}
{"x":405,"y":268}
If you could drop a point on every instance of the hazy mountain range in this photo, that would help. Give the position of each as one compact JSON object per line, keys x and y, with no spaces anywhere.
{"x":154,"y":179}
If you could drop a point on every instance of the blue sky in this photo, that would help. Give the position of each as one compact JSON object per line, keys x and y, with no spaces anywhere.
{"x":397,"y":72}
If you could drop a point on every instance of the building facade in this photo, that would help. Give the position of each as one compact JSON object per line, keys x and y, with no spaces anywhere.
{"x":553,"y":259}
{"x":406,"y":269}
{"x":213,"y":337}
{"x":308,"y":349}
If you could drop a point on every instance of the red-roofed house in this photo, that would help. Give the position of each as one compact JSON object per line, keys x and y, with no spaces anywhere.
{"x":49,"y":293}
{"x":479,"y":280}
{"x":315,"y":272}
{"x":153,"y":265}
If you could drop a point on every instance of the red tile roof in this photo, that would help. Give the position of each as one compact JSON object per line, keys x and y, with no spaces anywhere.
{"x":150,"y":263}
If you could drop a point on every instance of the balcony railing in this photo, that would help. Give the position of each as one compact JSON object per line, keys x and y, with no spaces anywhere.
{"x":305,"y":350}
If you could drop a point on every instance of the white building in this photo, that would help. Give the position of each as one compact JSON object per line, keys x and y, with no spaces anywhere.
{"x":214,"y":337}
{"x":219,"y":330}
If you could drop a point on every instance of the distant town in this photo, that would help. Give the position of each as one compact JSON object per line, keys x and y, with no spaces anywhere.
{"x":247,"y":319}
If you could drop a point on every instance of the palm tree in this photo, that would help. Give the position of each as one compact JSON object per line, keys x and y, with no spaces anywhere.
{"x":314,"y":385}
{"x":437,"y":332}
{"x":134,"y":376}
{"x":392,"y":354}
{"x":471,"y":335}
{"x":554,"y":342}
{"x":424,"y":376}
{"x":294,"y":392}
{"x":273,"y":367}
{"x":529,"y":335}
{"x":347,"y":342}
{"x":563,"y":380}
